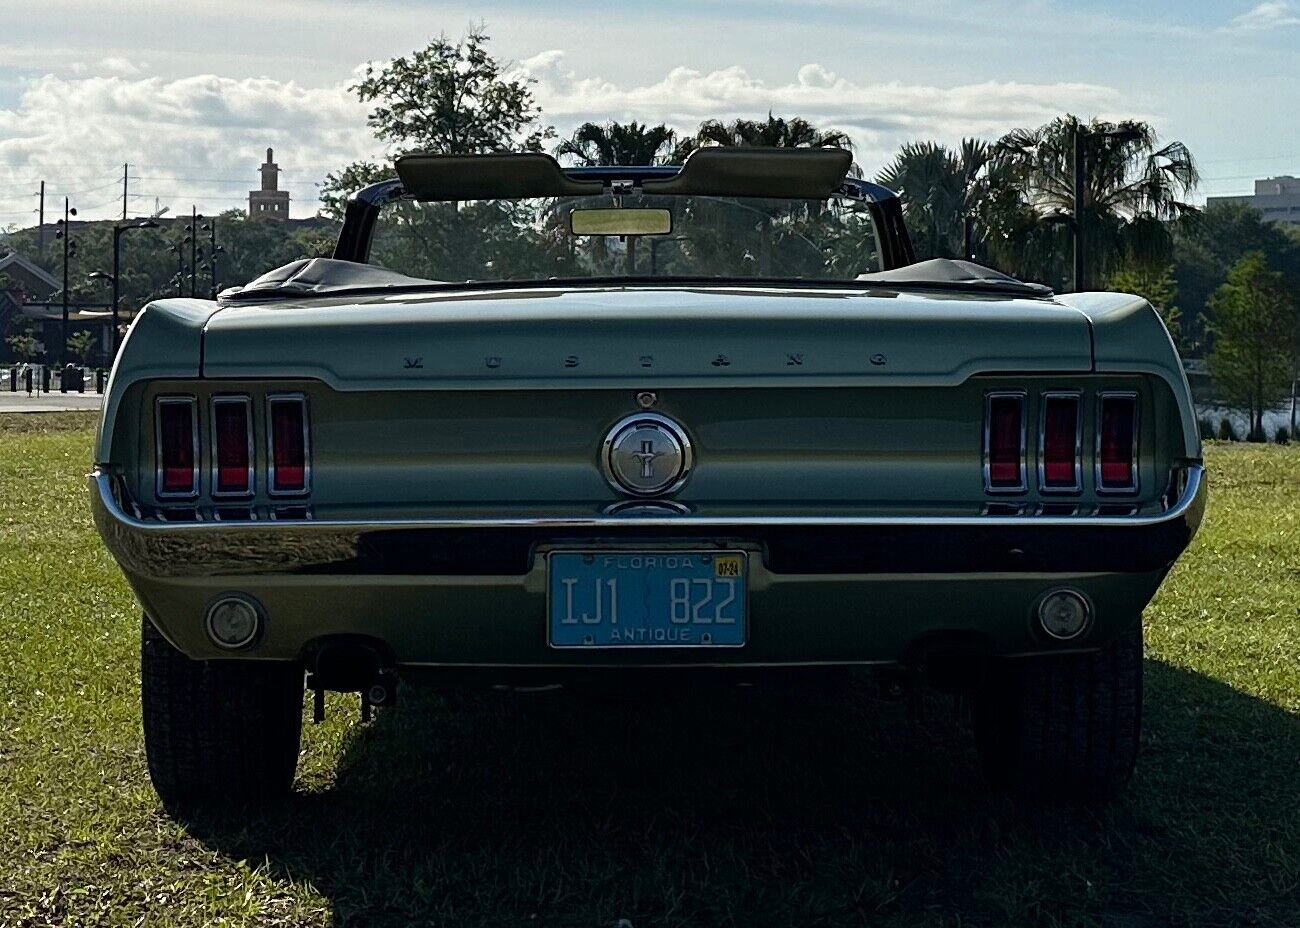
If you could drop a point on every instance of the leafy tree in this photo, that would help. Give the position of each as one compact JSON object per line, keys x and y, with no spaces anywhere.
{"x":618,"y":143}
{"x":1254,"y":323}
{"x":447,"y":98}
{"x":81,"y":344}
{"x":1135,"y":187}
{"x":1155,"y":285}
{"x":1209,"y":242}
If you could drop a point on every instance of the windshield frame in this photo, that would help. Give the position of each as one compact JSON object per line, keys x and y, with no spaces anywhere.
{"x":363,"y":212}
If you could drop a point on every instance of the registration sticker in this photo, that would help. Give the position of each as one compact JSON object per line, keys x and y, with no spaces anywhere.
{"x":728,"y":565}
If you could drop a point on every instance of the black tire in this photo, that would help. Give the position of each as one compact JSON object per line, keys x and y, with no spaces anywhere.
{"x":1063,"y":727}
{"x":224,"y":731}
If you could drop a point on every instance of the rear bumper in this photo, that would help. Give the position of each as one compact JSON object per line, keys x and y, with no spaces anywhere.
{"x":823,"y":590}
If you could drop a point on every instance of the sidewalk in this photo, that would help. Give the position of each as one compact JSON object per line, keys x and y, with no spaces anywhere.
{"x":48,"y":402}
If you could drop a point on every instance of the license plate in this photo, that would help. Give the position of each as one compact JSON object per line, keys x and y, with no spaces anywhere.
{"x":647,"y":599}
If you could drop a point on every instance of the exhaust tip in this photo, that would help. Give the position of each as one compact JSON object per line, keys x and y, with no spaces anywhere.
{"x":233,"y":621}
{"x":1063,"y":614}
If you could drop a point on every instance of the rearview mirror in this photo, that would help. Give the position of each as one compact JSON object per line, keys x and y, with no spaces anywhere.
{"x":620,"y":221}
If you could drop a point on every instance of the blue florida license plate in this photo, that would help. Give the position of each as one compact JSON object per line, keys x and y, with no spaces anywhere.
{"x":647,"y":599}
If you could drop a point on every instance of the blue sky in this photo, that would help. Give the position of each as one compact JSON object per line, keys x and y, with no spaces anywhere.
{"x":191,"y":93}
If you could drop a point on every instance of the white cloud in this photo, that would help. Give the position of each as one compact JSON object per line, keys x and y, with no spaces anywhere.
{"x":1272,"y":14}
{"x":878,"y":115}
{"x":200,"y":138}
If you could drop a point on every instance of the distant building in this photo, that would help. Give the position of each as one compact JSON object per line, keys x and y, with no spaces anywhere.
{"x":270,"y":201}
{"x":1276,"y":199}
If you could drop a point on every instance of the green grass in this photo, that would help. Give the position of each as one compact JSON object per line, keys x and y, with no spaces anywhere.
{"x":745,"y":810}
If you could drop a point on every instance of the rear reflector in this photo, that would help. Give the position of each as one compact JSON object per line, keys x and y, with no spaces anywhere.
{"x":287,"y":428}
{"x":1004,"y":443}
{"x":1117,"y":442}
{"x":232,"y":441}
{"x":1060,"y":464}
{"x":177,"y":437}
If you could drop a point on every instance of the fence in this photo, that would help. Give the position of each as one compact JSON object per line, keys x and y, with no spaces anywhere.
{"x":35,"y":379}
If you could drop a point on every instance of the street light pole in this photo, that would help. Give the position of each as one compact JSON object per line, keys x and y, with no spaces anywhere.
{"x":69,"y":249}
{"x":118,"y":231}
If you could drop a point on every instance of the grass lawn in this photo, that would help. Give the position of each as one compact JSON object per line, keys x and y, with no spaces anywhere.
{"x":747,"y":810}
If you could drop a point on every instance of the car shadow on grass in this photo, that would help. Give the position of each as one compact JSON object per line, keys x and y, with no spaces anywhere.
{"x":782,"y":807}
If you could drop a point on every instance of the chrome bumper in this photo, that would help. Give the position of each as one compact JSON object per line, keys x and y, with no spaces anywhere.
{"x":789,"y":545}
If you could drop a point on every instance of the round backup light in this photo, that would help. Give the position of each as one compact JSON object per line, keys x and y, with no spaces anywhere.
{"x":233,"y":622}
{"x":1063,"y":614}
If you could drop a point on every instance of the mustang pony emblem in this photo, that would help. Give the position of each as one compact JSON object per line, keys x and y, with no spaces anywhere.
{"x":646,"y":454}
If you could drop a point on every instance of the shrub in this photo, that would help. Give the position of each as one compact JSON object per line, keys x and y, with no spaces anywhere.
{"x":1226,"y":431}
{"x":1282,"y":436}
{"x":1206,"y":426}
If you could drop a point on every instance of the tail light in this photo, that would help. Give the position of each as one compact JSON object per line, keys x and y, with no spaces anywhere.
{"x":1117,"y":424}
{"x":232,"y":446}
{"x":1004,"y":443}
{"x":289,"y":437}
{"x":176,"y":434}
{"x":1060,"y":467}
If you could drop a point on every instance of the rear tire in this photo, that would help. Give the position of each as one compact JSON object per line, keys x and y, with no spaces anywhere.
{"x":223,"y":731}
{"x":1063,"y":727}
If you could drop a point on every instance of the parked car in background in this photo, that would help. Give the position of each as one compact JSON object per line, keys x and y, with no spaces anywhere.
{"x":533,"y":423}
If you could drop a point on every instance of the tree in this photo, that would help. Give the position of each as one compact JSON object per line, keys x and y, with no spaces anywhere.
{"x":447,"y":98}
{"x":618,"y":143}
{"x":773,"y":132}
{"x":1135,"y":187}
{"x":1155,"y":285}
{"x":81,"y":344}
{"x":1254,"y":326}
{"x":942,"y":190}
{"x":1209,"y":242}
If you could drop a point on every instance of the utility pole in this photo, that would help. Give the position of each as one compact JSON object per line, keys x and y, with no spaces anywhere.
{"x":40,"y":248}
{"x":1080,"y":191}
{"x":124,"y":179}
{"x":193,"y":229}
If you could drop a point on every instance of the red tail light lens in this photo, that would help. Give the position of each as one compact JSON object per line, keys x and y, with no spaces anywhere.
{"x":287,"y":417}
{"x":1060,"y":448}
{"x":177,"y":437}
{"x":1117,"y":442}
{"x":1004,"y":443}
{"x":232,"y":451}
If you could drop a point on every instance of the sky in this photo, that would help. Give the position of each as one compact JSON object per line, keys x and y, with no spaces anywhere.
{"x":191,"y":94}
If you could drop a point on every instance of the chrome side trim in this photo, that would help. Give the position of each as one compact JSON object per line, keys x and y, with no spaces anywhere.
{"x":301,"y":399}
{"x":1022,"y":397}
{"x":232,"y":399}
{"x":176,"y":400}
{"x":1077,"y":396}
{"x":1137,"y":425}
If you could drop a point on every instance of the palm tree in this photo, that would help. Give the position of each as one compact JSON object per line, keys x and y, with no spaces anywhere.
{"x":1135,"y":187}
{"x":618,"y":143}
{"x":945,"y":192}
{"x":773,"y":132}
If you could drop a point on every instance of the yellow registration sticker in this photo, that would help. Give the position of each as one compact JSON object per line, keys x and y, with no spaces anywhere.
{"x":727,"y":566}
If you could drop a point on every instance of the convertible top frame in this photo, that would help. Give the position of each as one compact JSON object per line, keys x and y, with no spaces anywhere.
{"x":734,"y":172}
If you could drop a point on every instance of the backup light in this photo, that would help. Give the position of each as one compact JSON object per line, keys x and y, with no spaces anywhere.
{"x":233,"y":622}
{"x":1063,"y":614}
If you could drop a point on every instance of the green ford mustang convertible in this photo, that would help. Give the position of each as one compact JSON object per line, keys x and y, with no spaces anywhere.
{"x":548,"y":425}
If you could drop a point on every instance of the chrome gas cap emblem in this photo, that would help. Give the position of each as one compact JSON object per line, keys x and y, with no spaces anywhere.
{"x":646,"y":454}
